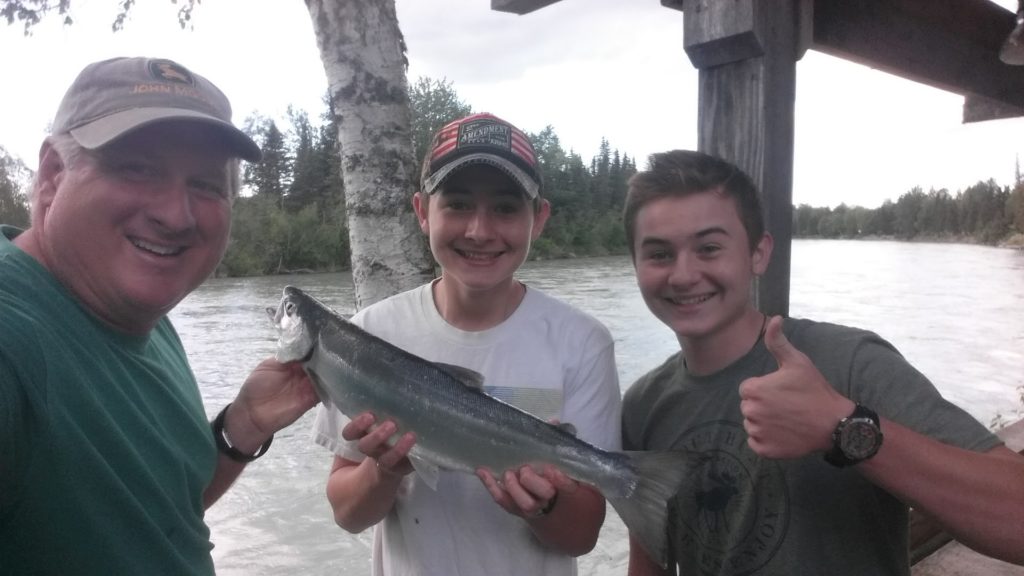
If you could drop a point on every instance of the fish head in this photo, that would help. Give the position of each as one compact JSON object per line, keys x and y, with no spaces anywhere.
{"x":296,"y":336}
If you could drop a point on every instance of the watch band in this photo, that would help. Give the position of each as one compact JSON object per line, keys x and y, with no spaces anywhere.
{"x":224,"y":445}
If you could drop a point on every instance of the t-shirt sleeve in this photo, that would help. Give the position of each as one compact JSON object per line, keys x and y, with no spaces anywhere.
{"x":868,"y":369}
{"x":593,"y":400}
{"x":898,"y":391}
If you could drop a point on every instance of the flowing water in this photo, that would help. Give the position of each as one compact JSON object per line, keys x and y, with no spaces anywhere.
{"x":955,"y":311}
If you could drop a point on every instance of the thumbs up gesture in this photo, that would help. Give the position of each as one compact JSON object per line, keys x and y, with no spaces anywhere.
{"x":791,"y":412}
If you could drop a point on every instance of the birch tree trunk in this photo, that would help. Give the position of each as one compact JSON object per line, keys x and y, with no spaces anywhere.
{"x":364,"y":57}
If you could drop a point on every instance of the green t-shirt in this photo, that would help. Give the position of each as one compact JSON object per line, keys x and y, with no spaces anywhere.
{"x":105,"y":449}
{"x":738,"y":513}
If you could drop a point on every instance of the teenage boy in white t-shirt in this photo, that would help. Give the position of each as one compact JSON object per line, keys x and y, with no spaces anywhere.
{"x":480,"y":205}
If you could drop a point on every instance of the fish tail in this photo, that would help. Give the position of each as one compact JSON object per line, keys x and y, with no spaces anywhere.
{"x":645,"y":510}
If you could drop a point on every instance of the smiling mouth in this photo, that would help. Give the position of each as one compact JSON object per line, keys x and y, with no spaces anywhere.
{"x":157,"y":249}
{"x":478,"y":256}
{"x":690,"y":300}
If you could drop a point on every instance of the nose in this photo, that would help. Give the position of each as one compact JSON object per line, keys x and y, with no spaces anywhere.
{"x":684,"y":272}
{"x":479,"y":226}
{"x":172,"y":207}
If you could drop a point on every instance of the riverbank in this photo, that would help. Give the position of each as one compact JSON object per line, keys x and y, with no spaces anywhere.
{"x":1015,"y":241}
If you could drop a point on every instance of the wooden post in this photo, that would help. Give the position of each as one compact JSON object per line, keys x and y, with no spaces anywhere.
{"x":746,"y":52}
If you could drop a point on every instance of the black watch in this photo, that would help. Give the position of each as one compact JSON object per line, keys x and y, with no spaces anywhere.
{"x":856,"y":438}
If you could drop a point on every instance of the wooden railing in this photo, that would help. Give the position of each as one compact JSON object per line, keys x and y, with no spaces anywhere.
{"x":933,"y":552}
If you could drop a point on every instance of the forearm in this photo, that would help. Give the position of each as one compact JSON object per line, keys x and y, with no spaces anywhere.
{"x":360,"y":494}
{"x":976,"y":497}
{"x":574,"y":523}
{"x":225,"y":475}
{"x":243,"y":438}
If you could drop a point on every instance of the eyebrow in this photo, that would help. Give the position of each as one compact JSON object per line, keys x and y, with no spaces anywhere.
{"x":711,"y":230}
{"x":700,"y":234}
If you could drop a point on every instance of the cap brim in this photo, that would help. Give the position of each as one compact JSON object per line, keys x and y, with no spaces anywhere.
{"x":527,"y":184}
{"x":104,"y":130}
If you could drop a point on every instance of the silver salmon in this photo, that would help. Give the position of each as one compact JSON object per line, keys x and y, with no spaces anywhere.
{"x":458,"y":426}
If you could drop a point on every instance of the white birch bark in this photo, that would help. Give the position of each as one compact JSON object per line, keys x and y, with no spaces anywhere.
{"x":364,"y":57}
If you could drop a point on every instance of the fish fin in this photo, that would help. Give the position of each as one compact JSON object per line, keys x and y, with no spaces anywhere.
{"x":470,"y":378}
{"x":645,"y":512}
{"x":428,"y":471}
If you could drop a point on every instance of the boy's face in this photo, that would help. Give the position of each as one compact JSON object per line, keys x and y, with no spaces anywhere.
{"x":693,"y":263}
{"x":480,"y":226}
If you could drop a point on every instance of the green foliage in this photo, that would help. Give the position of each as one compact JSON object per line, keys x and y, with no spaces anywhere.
{"x":983,"y":213}
{"x":1015,"y":208}
{"x":15,"y":179}
{"x":292,"y":217}
{"x":272,"y":175}
{"x":432,"y":103}
{"x":31,"y":12}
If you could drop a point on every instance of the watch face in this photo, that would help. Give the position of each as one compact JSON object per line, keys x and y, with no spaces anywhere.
{"x":860,"y":439}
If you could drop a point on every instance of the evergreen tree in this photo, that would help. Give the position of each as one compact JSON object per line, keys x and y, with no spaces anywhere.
{"x":272,"y":175}
{"x":304,"y":187}
{"x":1015,"y":208}
{"x":433,"y":103}
{"x":907,"y":208}
{"x":15,"y":178}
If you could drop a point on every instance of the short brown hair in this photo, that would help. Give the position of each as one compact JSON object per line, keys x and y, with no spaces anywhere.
{"x":679,"y":173}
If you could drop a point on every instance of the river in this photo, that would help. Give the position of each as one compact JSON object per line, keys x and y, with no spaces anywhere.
{"x":955,"y":311}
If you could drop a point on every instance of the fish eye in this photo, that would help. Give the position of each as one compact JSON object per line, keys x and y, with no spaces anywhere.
{"x":289,"y":308}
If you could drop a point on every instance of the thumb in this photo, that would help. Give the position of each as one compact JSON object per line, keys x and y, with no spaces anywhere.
{"x":778,"y":344}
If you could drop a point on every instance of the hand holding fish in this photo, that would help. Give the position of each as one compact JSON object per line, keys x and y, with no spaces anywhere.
{"x":791,"y":412}
{"x":372,"y":441}
{"x":273,"y":397}
{"x":524,"y":492}
{"x":552,"y":503}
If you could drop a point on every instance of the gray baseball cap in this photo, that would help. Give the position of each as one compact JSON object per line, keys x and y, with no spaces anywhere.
{"x":110,"y":98}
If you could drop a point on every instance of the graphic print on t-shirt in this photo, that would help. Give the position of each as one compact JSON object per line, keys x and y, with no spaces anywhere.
{"x":732,"y":513}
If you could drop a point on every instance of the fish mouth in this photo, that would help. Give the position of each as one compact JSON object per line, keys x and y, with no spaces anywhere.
{"x":157,"y":249}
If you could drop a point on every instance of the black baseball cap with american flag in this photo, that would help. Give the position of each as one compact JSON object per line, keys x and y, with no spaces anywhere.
{"x":481,"y":139}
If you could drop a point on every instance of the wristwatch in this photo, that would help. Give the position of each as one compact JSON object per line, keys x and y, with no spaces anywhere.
{"x":856,"y":438}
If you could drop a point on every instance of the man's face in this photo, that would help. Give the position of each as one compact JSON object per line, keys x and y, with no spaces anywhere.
{"x":480,"y":227}
{"x":693,"y":263}
{"x":134,"y":227}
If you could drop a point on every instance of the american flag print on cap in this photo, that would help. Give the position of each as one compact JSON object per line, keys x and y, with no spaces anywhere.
{"x":481,"y":138}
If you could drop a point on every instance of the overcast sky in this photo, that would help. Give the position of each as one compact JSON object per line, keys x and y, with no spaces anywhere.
{"x":590,"y":68}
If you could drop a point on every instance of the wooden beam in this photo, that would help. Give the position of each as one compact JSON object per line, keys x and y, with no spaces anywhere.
{"x":520,"y":6}
{"x":716,"y":33}
{"x":952,"y":45}
{"x":979,"y":109}
{"x":746,"y":51}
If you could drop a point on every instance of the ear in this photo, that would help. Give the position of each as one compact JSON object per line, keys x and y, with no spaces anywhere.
{"x":762,"y":254}
{"x":540,"y":217}
{"x":51,"y":172}
{"x":420,"y":205}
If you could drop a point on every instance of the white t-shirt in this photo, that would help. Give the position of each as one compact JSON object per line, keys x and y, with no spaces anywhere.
{"x":547,"y":358}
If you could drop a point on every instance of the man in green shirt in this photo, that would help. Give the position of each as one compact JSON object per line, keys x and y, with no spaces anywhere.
{"x":107,"y":461}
